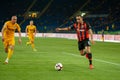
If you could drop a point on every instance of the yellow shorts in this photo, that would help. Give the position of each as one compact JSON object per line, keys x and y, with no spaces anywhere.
{"x":31,"y":38}
{"x":8,"y":42}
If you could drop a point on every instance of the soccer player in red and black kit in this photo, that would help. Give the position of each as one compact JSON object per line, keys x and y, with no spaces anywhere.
{"x":83,"y":31}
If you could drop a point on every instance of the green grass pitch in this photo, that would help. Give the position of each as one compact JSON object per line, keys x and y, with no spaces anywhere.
{"x":26,"y":64}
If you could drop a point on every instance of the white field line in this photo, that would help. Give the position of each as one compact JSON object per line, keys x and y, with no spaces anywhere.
{"x":40,"y":52}
{"x":98,"y":60}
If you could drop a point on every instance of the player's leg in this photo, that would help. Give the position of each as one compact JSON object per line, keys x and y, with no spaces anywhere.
{"x":10,"y":50}
{"x":81,"y":47}
{"x":89,"y":54}
{"x":6,"y":49}
{"x":32,"y":43}
{"x":29,"y":42}
{"x":5,"y":46}
{"x":103,"y":38}
{"x":84,"y":48}
{"x":82,"y":52}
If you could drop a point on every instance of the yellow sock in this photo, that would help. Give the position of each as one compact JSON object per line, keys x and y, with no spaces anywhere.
{"x":33,"y":46}
{"x":28,"y":43}
{"x":10,"y":52}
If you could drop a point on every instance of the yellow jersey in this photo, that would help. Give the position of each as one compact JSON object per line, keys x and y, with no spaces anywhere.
{"x":31,"y":29}
{"x":10,"y":29}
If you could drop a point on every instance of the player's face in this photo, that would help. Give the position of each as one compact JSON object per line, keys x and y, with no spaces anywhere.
{"x":79,"y":19}
{"x":14,"y":19}
{"x":31,"y":22}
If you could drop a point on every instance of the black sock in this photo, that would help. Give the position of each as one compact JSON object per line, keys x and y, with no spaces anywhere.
{"x":90,"y":58}
{"x":90,"y":62}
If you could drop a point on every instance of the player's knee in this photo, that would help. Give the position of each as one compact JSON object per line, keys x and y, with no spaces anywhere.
{"x":88,"y":51}
{"x":11,"y":47}
{"x":89,"y":55}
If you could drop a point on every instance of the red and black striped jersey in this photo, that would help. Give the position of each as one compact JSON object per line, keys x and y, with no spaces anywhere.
{"x":82,"y":30}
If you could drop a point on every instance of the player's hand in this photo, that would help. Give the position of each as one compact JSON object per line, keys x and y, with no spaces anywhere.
{"x":92,"y":42}
{"x":58,"y":29}
{"x":2,"y":39}
{"x":19,"y":41}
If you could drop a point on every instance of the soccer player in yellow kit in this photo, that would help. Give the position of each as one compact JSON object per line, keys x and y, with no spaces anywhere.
{"x":31,"y":32}
{"x":8,"y":31}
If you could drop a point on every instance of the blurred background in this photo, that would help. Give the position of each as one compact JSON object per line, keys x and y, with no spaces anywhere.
{"x":49,"y":14}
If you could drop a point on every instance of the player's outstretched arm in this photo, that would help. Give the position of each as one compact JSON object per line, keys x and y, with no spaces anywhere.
{"x":19,"y":40}
{"x":2,"y":31}
{"x":62,"y":29}
{"x":91,"y":36}
{"x":26,"y":31}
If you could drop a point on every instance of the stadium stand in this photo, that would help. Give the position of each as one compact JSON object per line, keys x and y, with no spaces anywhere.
{"x":57,"y":13}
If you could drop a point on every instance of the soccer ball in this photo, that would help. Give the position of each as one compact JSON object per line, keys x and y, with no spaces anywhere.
{"x":58,"y":66}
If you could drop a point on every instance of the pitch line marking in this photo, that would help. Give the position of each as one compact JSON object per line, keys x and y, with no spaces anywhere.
{"x":40,"y":52}
{"x":98,"y":60}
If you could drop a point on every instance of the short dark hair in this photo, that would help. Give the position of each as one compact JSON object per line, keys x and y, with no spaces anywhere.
{"x":79,"y":15}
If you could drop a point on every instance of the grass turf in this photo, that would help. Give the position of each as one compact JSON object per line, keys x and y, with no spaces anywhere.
{"x":26,"y":64}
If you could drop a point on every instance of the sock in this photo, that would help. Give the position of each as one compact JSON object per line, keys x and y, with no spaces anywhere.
{"x":90,"y":62}
{"x":28,"y":43}
{"x":10,"y":52}
{"x":90,"y":58}
{"x":33,"y":46}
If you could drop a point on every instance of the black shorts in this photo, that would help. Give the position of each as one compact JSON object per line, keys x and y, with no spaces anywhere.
{"x":83,"y":44}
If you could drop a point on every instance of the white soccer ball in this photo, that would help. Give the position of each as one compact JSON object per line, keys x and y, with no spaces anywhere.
{"x":58,"y":66}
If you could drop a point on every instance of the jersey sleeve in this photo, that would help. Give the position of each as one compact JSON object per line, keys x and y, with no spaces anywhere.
{"x":5,"y":25}
{"x":18,"y":28}
{"x":71,"y":27}
{"x":27,"y":27}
